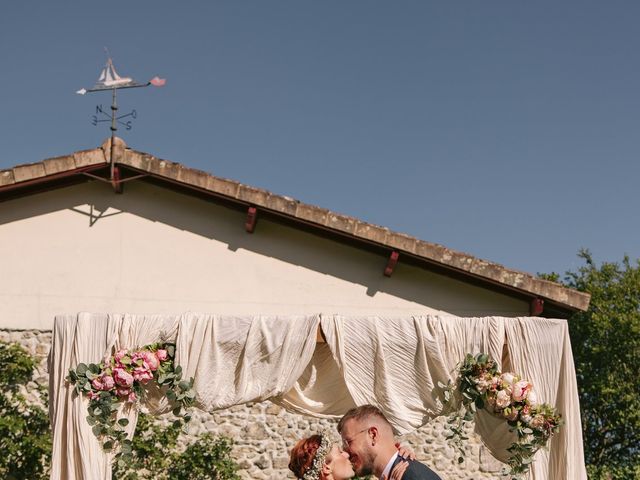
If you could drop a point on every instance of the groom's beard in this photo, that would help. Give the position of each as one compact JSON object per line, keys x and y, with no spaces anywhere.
{"x":363,"y":464}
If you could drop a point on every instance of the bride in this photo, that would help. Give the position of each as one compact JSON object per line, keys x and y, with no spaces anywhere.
{"x":319,"y":458}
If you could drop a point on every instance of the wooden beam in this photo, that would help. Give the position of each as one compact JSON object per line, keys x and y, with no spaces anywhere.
{"x":391,"y":263}
{"x":252,"y":218}
{"x":536,"y":307}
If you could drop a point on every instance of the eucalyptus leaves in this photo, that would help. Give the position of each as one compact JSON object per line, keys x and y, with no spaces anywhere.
{"x":480,"y":385}
{"x":125,"y":378}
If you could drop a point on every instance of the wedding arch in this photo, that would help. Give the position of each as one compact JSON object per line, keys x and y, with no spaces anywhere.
{"x":395,"y":363}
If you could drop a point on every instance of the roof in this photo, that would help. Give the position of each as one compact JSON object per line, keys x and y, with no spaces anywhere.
{"x":123,"y":164}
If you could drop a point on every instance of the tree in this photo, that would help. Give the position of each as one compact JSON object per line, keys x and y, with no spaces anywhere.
{"x":25,"y":438}
{"x":606,"y":347}
{"x":157,"y":455}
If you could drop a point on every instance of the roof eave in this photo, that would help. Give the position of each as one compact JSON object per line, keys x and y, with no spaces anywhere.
{"x":54,"y":170}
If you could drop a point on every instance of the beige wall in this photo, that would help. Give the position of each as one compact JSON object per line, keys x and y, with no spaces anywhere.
{"x":150,"y":250}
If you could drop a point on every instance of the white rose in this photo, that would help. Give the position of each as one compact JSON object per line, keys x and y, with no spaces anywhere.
{"x":503,"y":399}
{"x":537,"y":422}
{"x":532,"y":398}
{"x":507,"y":377}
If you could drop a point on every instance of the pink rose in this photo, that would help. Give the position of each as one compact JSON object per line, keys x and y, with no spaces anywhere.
{"x":122,"y":377}
{"x":142,"y":374}
{"x":97,"y":383}
{"x":137,"y":359}
{"x":520,"y":390}
{"x":93,"y":395}
{"x":132,"y":397}
{"x":151,"y":359}
{"x":162,"y":354}
{"x":120,"y":355}
{"x":107,"y":382}
{"x":103,"y":382}
{"x":503,"y":399}
{"x":123,"y":392}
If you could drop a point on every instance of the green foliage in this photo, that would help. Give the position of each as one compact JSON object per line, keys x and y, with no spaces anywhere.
{"x":608,"y":472}
{"x":156,"y":455}
{"x":207,"y":458}
{"x":25,"y":438}
{"x":606,"y":348}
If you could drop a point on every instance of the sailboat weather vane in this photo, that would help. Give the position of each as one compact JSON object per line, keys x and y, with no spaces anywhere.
{"x":110,"y":80}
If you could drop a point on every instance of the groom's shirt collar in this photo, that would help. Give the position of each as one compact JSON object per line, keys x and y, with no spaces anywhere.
{"x":387,"y":469}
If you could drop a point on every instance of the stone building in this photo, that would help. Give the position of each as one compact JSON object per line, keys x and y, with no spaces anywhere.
{"x":116,"y":230}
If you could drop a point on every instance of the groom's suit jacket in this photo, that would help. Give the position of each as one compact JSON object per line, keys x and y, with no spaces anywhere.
{"x":416,"y":471}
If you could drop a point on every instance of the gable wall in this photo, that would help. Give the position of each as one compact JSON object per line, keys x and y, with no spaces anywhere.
{"x":151,"y":250}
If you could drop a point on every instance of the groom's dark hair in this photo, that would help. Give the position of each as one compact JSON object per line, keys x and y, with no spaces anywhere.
{"x":360,"y":413}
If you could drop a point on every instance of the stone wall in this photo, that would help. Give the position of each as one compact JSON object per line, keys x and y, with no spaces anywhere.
{"x":264,"y":432}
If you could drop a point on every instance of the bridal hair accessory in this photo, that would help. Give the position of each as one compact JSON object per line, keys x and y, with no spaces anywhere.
{"x":123,"y":379}
{"x":321,"y":455}
{"x":480,"y":385}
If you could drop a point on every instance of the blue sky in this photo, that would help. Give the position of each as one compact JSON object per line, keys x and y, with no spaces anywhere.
{"x":507,"y":130}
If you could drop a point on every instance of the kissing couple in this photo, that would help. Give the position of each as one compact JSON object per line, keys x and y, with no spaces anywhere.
{"x":368,"y":447}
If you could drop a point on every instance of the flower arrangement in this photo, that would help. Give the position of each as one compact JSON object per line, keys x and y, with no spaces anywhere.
{"x":125,"y":378}
{"x":480,"y":385}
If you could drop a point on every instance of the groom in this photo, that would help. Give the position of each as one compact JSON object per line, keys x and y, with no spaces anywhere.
{"x":367,"y":436}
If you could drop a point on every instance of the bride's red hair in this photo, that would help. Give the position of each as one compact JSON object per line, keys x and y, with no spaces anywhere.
{"x":303,"y":453}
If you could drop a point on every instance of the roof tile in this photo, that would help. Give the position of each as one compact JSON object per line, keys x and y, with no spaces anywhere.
{"x":85,"y":158}
{"x":311,"y":213}
{"x":194,"y":177}
{"x":282,"y":204}
{"x":6,"y":177}
{"x":252,"y":195}
{"x":137,"y":160}
{"x":28,"y":172}
{"x":371,"y":232}
{"x":401,"y":241}
{"x":223,"y":186}
{"x":58,"y":164}
{"x":341,"y":222}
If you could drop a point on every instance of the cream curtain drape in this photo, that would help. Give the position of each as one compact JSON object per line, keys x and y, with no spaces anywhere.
{"x":391,"y":362}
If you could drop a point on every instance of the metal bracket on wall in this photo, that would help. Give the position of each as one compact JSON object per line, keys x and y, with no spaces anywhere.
{"x":115,"y":180}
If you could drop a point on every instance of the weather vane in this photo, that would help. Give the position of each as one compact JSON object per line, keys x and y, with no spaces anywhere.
{"x":110,"y":80}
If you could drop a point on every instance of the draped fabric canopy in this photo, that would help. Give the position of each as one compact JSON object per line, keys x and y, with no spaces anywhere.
{"x":394,"y":363}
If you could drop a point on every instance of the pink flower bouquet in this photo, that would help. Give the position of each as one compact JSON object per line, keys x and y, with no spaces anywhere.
{"x":123,"y":378}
